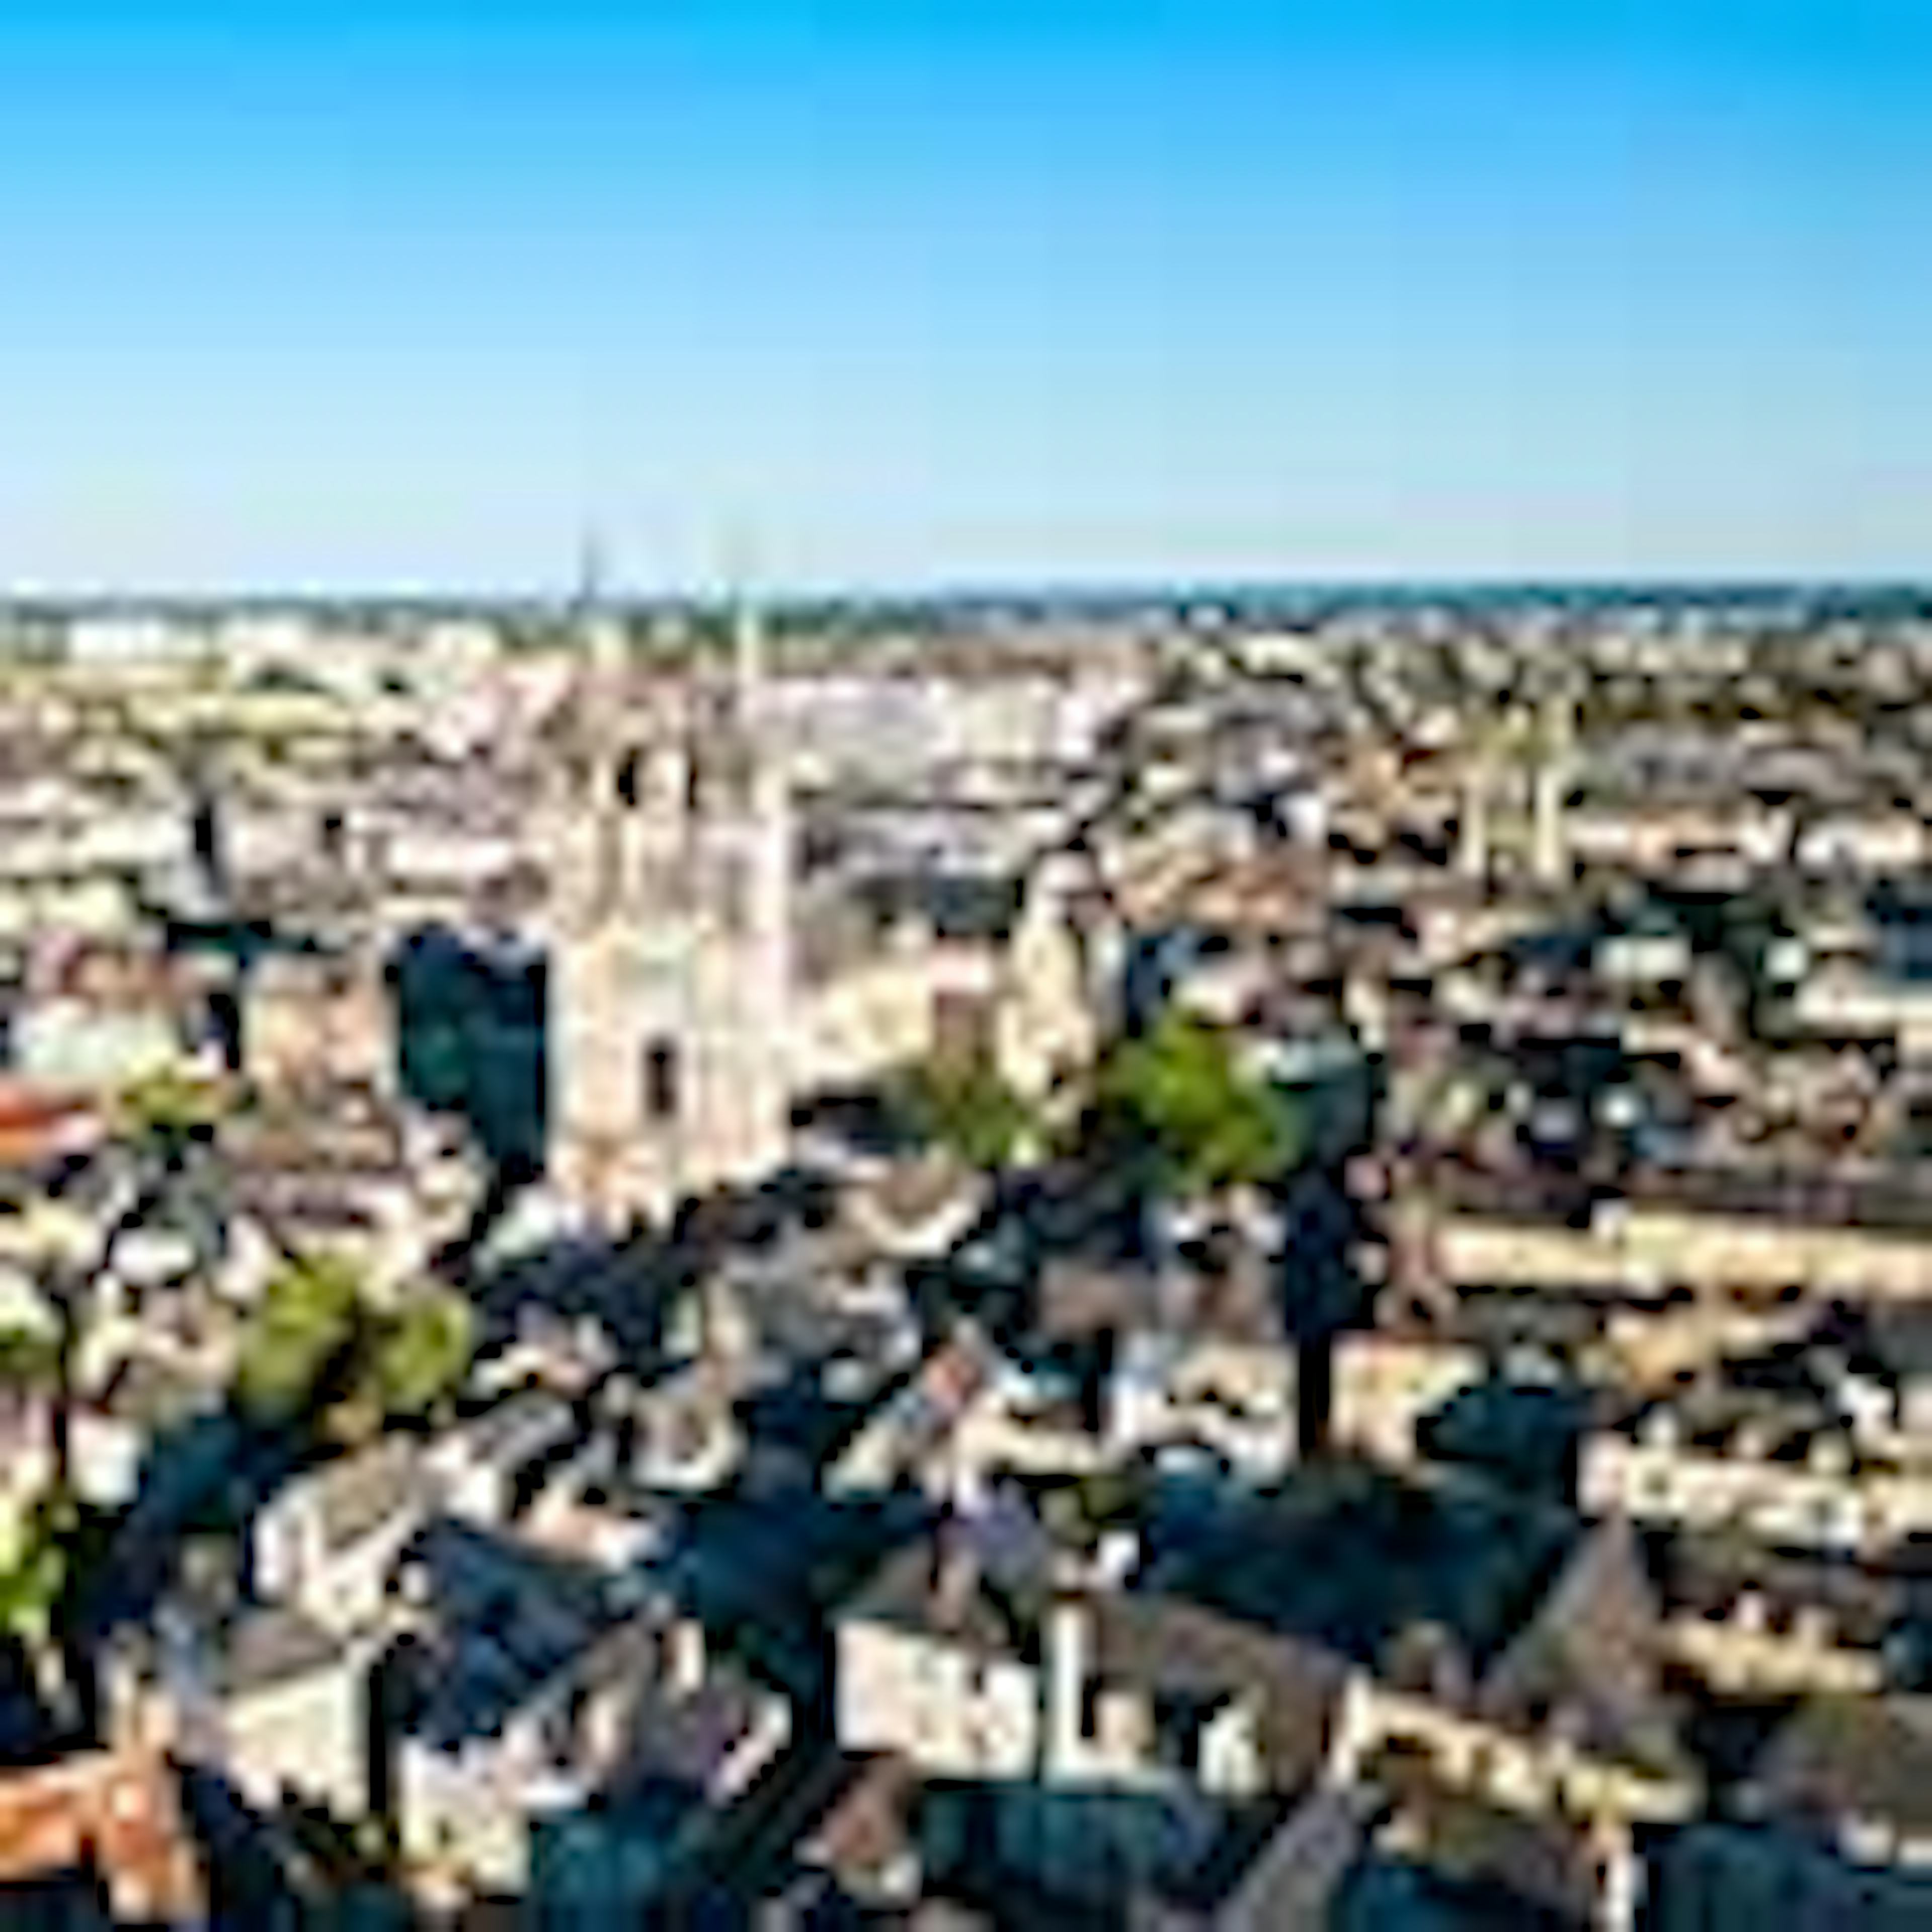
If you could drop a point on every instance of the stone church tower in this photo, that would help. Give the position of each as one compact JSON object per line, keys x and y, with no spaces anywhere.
{"x":670,"y":942}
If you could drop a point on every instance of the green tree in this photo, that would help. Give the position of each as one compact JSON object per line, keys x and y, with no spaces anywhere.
{"x":1179,"y":1097}
{"x":30,"y":1358}
{"x":307,"y":1319}
{"x":317,"y":1347}
{"x":965,"y":1107}
{"x":167,"y":1109}
{"x":421,"y":1354}
{"x":33,"y":1568}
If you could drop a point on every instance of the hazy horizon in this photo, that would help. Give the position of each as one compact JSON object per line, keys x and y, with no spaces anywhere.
{"x":989,"y":592}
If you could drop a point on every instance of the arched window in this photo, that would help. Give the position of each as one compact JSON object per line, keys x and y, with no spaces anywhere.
{"x":630,"y":779}
{"x":661,"y":1080}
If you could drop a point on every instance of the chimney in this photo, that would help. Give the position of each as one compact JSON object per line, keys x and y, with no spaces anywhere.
{"x":129,"y":1675}
{"x":605,"y":1727}
{"x":956,"y":1574}
{"x":1124,"y":1720}
{"x":1067,"y":1635}
{"x":1449,"y":1679}
{"x":1552,"y":786}
{"x":1116,"y":1558}
{"x":1473,"y":836}
{"x":1813,"y":1625}
{"x":684,"y":1658}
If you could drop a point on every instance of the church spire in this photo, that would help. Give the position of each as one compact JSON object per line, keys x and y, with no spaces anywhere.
{"x":747,"y":648}
{"x":744,"y":621}
{"x":598,"y":618}
{"x":599,"y":725}
{"x":591,"y":571}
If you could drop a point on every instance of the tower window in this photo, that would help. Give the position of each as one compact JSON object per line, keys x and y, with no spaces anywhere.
{"x":661,"y":1080}
{"x":630,"y":780}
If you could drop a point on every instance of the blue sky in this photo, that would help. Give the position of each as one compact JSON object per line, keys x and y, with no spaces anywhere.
{"x":410,"y":292}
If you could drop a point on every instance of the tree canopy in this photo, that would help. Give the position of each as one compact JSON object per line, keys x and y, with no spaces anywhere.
{"x":34,"y":1567}
{"x":420,"y":1352}
{"x":317,"y":1349}
{"x":306,"y":1322}
{"x":965,"y":1106}
{"x":1179,"y":1095}
{"x":29,"y":1358}
{"x":170,"y":1106}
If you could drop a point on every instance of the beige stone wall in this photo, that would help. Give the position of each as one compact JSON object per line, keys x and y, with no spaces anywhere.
{"x":865,"y":1022}
{"x":1646,"y":1351}
{"x":1385,"y":1385}
{"x":936,"y":1705}
{"x":306,"y":1737}
{"x":1649,"y":1250}
{"x":296,"y":1029}
{"x":1534,"y":1776}
{"x":1787,"y":1503}
{"x":1738,"y":1659}
{"x":452,"y":1817}
{"x":1043,"y":1024}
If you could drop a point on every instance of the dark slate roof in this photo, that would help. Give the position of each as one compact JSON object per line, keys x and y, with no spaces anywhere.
{"x":1592,"y":1652}
{"x":1384,"y":1894}
{"x":960,"y":905}
{"x":1538,"y":1870}
{"x":1231,"y":1295}
{"x":1351,"y":1558}
{"x":1727,"y":1878}
{"x":1852,"y":1757}
{"x":1169,"y":1648}
{"x":506,"y":1620}
{"x":74,"y":1901}
{"x":1899,"y":1336}
{"x":909,"y":1593}
{"x":1706,"y":1576}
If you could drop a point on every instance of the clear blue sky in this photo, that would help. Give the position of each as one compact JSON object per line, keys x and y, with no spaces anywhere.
{"x":336,"y":293}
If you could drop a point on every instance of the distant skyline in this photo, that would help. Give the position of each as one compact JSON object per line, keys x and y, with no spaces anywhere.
{"x":881,"y":294}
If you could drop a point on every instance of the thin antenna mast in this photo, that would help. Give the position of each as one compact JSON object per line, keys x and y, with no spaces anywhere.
{"x":593,"y":575}
{"x":599,"y":623}
{"x":746,"y":618}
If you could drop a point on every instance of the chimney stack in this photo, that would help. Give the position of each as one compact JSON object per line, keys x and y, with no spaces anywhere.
{"x":685,"y":1657}
{"x":956,"y":1573}
{"x":1067,"y":1636}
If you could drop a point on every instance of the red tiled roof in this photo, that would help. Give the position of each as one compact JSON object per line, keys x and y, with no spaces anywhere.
{"x":117,"y":1811}
{"x":37,"y":1123}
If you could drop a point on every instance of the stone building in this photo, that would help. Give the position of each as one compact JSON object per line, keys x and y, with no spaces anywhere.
{"x":670,"y":931}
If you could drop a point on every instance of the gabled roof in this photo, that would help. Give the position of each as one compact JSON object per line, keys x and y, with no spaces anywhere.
{"x":359,"y":1492}
{"x":916,"y":1589}
{"x":1169,"y":1648}
{"x":275,"y":1646}
{"x":1844,"y":1758}
{"x":1355,"y":1559}
{"x":869,"y":1823}
{"x":1591,"y":1656}
{"x":507,"y":1619}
